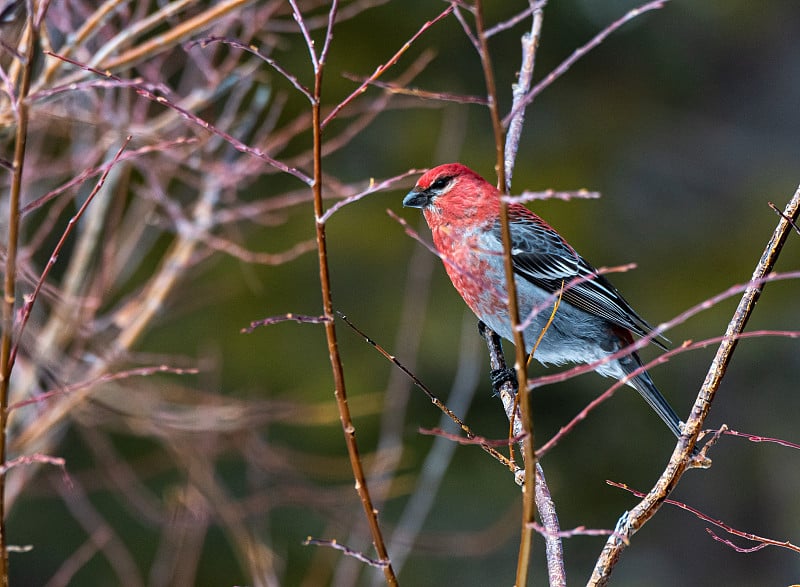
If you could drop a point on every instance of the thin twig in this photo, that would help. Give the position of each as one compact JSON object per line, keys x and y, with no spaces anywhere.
{"x":31,"y":300}
{"x":577,"y":54}
{"x":10,"y":280}
{"x":340,"y":391}
{"x":683,"y":348}
{"x":300,"y":318}
{"x":520,"y":364}
{"x":764,"y":542}
{"x":145,"y":92}
{"x":381,"y":69}
{"x":530,"y":43}
{"x":347,"y":551}
{"x":756,"y":438}
{"x":431,"y":396}
{"x":105,"y":378}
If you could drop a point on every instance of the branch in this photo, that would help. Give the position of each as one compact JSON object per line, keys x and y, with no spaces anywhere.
{"x":577,"y":54}
{"x":381,"y":69}
{"x":340,"y":390}
{"x":631,"y":522}
{"x":520,"y":363}
{"x":763,"y":542}
{"x":10,"y":280}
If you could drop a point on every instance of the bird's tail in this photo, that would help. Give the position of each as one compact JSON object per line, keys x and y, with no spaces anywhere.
{"x":648,"y":390}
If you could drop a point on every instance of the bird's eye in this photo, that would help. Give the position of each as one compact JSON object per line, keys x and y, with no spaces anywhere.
{"x":440,"y":183}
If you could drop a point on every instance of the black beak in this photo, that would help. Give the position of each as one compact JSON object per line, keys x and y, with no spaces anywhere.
{"x":416,"y":199}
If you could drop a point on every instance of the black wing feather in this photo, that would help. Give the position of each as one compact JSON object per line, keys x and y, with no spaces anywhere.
{"x":542,"y":257}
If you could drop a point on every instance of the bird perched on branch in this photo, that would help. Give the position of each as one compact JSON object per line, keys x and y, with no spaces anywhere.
{"x":592,"y":321}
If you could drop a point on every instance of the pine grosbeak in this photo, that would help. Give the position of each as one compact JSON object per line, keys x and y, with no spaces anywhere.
{"x":592,"y":322}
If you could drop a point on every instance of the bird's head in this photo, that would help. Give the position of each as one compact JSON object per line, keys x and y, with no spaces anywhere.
{"x":452,"y":191}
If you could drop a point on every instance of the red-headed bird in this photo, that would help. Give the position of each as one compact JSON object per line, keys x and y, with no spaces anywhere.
{"x":592,"y":322}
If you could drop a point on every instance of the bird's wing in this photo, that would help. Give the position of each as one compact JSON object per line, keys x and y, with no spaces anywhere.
{"x":541,"y":256}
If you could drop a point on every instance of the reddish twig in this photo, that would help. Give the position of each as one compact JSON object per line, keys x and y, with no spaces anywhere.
{"x":67,"y":389}
{"x":665,"y":326}
{"x":381,"y":69}
{"x":146,"y":93}
{"x":100,"y":169}
{"x":373,"y":187}
{"x":254,"y":51}
{"x":754,"y":438}
{"x":764,"y":542}
{"x":480,"y":440}
{"x":38,"y":459}
{"x":577,"y":54}
{"x":31,"y":300}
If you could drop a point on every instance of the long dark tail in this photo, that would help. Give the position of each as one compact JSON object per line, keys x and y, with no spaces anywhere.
{"x":648,"y":390}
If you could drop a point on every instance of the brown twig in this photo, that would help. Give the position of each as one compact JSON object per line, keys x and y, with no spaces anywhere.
{"x":340,"y":390}
{"x":10,"y":280}
{"x":520,"y":364}
{"x":646,"y":509}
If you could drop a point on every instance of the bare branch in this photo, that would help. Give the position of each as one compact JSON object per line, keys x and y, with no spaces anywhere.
{"x":764,"y":542}
{"x":381,"y":564}
{"x":679,"y":462}
{"x":577,"y":54}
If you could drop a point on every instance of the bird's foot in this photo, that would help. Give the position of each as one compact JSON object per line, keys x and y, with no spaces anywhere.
{"x":500,"y":377}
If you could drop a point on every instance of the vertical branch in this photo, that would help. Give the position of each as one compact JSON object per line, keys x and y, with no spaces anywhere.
{"x":530,"y":42}
{"x":520,"y":363}
{"x":340,"y":390}
{"x":544,"y":502}
{"x":9,"y":283}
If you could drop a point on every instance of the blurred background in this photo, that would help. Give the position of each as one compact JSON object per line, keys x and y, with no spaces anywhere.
{"x":685,"y":120}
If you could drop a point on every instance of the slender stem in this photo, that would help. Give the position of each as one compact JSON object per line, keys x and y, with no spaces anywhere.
{"x":520,"y":363}
{"x":9,"y":283}
{"x":340,"y":391}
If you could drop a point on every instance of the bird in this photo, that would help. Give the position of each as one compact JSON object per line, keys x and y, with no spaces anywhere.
{"x":592,"y":321}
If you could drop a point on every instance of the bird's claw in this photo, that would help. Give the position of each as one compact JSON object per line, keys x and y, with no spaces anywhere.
{"x":500,"y":377}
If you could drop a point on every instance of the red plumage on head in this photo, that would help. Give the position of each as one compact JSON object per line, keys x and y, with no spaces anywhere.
{"x":469,"y":200}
